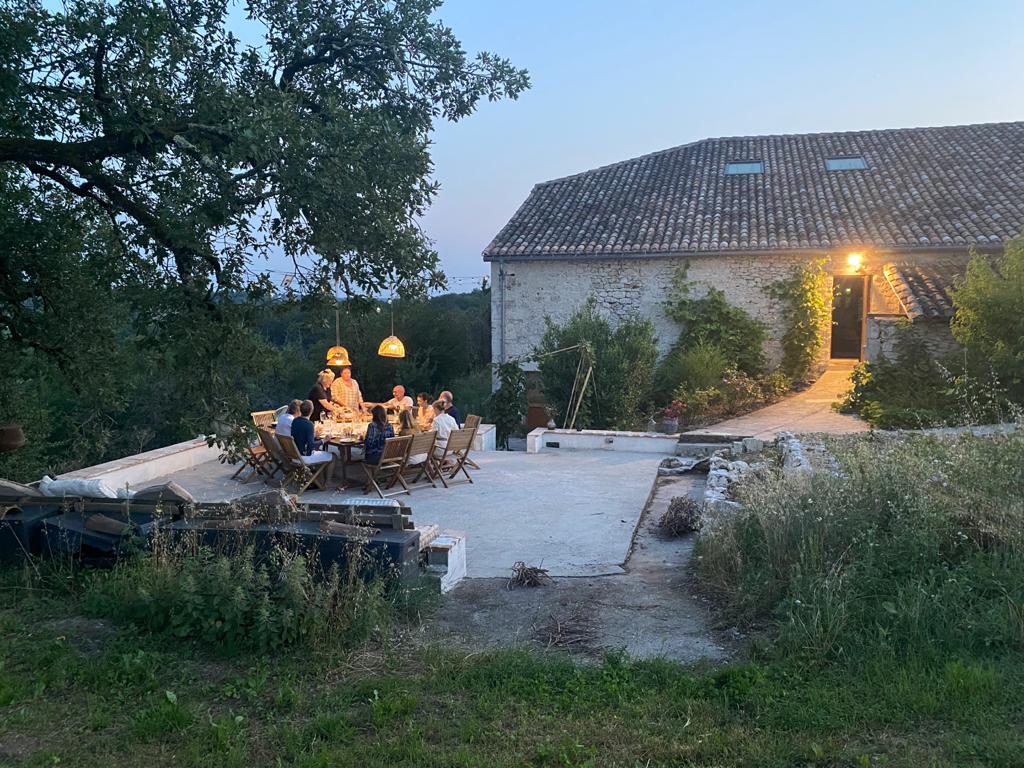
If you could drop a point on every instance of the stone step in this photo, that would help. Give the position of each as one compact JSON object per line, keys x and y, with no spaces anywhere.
{"x":709,"y":437}
{"x":698,"y":450}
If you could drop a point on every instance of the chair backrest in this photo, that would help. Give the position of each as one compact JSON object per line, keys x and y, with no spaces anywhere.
{"x":290,"y":450}
{"x":422,"y":442}
{"x":472,"y":422}
{"x":460,"y":440}
{"x":395,"y":451}
{"x":263,"y":418}
{"x":269,"y":441}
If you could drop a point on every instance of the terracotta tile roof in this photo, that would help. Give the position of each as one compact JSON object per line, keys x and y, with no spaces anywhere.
{"x":923,"y":188}
{"x":923,"y":288}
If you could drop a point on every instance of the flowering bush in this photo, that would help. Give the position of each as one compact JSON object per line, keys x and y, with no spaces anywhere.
{"x":675,"y":410}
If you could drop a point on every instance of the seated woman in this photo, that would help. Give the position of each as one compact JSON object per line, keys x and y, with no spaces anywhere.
{"x":407,"y":424}
{"x":443,"y":425}
{"x":424,"y":412}
{"x":377,"y":432}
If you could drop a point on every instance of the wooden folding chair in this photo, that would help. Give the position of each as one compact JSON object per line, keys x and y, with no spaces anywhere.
{"x":306,"y":470}
{"x":263,"y":419}
{"x":456,"y":454}
{"x":422,"y":445}
{"x":389,"y":469}
{"x":472,"y":422}
{"x":275,"y":461}
{"x":255,"y":460}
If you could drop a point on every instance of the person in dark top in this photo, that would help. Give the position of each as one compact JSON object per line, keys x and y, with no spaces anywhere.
{"x":303,"y":432}
{"x":320,"y":394}
{"x":451,"y":410}
{"x":377,"y":432}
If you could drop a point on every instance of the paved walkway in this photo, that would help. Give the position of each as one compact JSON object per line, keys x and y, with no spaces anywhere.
{"x":807,"y":411}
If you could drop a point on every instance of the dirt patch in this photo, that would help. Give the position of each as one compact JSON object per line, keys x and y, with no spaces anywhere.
{"x":649,"y":611}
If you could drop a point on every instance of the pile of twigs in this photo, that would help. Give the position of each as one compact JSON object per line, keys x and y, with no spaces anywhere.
{"x":524,"y":575}
{"x":569,"y":631}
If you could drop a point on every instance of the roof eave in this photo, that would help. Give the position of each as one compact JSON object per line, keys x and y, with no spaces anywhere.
{"x":630,"y":255}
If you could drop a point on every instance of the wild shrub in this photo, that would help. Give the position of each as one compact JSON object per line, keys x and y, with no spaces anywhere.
{"x":681,"y":517}
{"x":915,"y":390}
{"x":691,"y":368}
{"x":989,"y":316}
{"x":914,"y":548}
{"x":237,"y":601}
{"x":710,"y":319}
{"x":623,"y":358}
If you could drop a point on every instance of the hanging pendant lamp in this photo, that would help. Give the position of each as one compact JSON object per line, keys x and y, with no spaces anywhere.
{"x":392,"y":346}
{"x":337,"y":355}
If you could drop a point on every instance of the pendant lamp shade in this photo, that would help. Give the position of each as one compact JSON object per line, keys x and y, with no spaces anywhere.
{"x":392,"y":346}
{"x":337,"y":356}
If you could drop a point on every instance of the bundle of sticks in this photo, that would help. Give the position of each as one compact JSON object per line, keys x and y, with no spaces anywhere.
{"x":524,"y":575}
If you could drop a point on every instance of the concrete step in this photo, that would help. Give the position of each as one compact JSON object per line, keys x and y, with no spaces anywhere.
{"x":699,"y":450}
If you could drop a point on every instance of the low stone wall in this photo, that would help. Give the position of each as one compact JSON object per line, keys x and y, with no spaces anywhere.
{"x":141,"y":468}
{"x":885,"y":331}
{"x":543,"y":440}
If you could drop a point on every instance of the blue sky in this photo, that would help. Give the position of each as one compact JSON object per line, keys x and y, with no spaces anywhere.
{"x":613,"y":80}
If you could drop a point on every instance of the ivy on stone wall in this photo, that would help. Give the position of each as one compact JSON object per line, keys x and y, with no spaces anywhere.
{"x":711,"y":320}
{"x":807,"y":310}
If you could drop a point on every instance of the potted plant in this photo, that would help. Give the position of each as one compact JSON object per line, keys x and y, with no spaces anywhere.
{"x":670,"y":416}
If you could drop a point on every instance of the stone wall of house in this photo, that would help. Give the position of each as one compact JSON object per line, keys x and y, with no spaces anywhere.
{"x":884,"y":332}
{"x":629,"y":287}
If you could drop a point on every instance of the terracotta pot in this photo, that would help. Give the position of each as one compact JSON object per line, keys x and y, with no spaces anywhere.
{"x":11,"y":437}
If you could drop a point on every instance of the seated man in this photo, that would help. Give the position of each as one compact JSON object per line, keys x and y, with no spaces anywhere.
{"x":303,"y":432}
{"x":450,"y":408}
{"x":284,"y":421}
{"x":443,"y":425}
{"x":399,"y":400}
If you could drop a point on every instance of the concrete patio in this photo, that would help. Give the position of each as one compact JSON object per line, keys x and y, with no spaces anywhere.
{"x":573,"y":513}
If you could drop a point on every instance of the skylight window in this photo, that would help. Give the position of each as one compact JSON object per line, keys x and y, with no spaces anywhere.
{"x":744,"y":166}
{"x":845,"y":164}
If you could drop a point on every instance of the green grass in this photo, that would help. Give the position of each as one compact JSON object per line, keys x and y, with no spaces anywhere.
{"x":134,"y":699}
{"x":892,"y":591}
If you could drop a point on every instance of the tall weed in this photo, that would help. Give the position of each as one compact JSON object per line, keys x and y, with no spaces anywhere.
{"x":915,"y":547}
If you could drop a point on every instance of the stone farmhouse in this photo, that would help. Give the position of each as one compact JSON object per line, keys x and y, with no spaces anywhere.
{"x":895,"y":214}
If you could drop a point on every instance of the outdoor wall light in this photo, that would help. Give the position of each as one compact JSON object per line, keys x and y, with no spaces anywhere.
{"x":854,"y":260}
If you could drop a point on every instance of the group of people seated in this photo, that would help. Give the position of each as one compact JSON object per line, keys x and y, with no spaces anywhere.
{"x":330,"y":395}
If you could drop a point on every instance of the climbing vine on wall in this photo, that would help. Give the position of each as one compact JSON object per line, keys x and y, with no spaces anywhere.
{"x":807,"y":310}
{"x":711,"y":320}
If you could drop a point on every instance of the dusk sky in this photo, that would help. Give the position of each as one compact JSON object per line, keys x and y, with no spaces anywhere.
{"x":613,"y":80}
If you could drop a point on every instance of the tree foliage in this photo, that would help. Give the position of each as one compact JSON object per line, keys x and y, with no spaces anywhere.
{"x":507,"y":406}
{"x":623,"y":360}
{"x":151,"y":161}
{"x":989,"y":318}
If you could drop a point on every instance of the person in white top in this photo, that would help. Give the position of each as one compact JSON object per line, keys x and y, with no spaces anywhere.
{"x":443,"y":425}
{"x":345,"y":391}
{"x":399,"y":401}
{"x":284,"y":421}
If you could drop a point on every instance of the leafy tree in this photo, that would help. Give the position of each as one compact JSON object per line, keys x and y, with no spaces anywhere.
{"x":507,"y":406}
{"x":989,"y":318}
{"x":150,"y":161}
{"x":623,"y":360}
